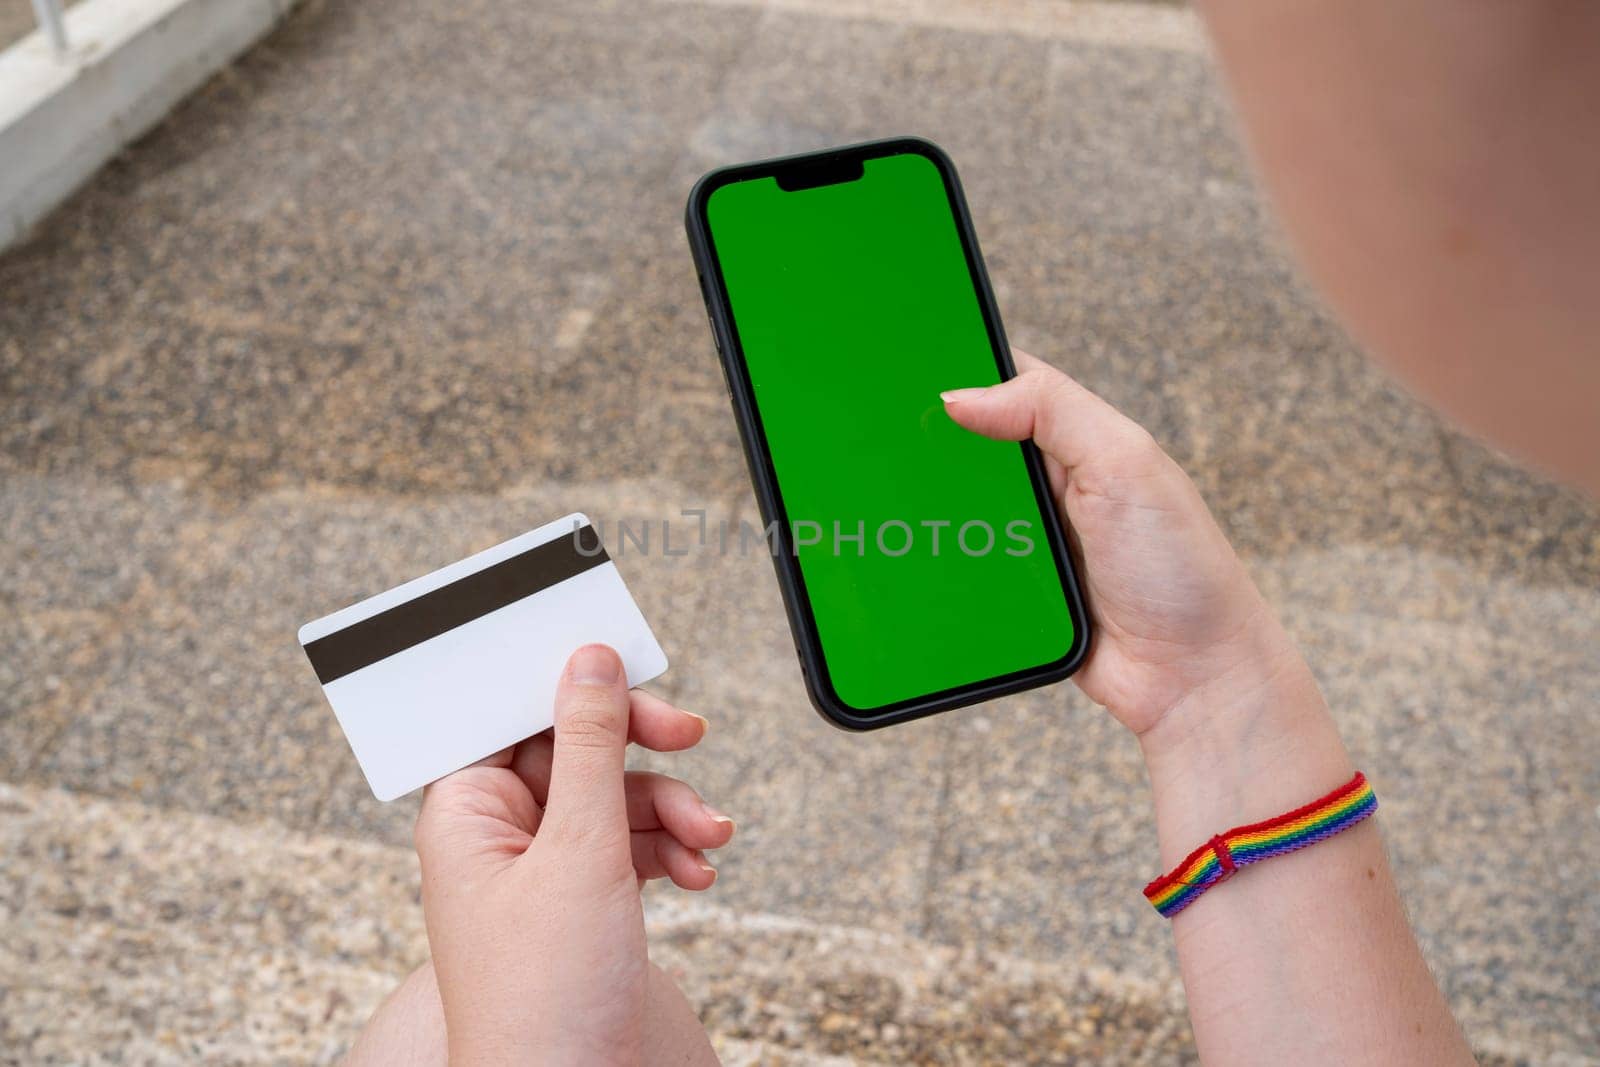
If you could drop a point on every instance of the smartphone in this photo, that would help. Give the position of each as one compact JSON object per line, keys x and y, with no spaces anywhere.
{"x":923,"y":567}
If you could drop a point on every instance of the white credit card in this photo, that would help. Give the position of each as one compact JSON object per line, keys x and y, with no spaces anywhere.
{"x":458,"y":664}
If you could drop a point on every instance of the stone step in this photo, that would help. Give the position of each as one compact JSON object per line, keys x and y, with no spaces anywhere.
{"x":145,"y":935}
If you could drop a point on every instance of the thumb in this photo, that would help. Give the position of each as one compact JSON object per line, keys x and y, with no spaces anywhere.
{"x":1068,"y":423}
{"x":586,"y":803}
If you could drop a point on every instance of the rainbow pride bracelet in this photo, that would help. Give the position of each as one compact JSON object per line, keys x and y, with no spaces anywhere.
{"x":1220,"y":858}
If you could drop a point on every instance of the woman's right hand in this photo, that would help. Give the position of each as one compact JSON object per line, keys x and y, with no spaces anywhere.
{"x":1309,"y":958}
{"x":1174,"y":611}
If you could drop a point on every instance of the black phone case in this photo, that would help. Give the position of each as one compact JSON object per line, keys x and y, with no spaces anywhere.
{"x":798,"y":172}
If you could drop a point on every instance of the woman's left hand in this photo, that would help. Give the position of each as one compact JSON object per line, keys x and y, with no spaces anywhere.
{"x":532,"y":864}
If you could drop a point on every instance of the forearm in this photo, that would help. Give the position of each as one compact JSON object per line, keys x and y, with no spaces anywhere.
{"x":1304,"y":958}
{"x":409,"y":1028}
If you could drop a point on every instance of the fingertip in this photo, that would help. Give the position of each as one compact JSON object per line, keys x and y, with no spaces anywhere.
{"x":595,"y":664}
{"x":691,"y":725}
{"x":658,"y":854}
{"x":725,"y":825}
{"x":661,"y":726}
{"x":701,"y":727}
{"x":703,"y":877}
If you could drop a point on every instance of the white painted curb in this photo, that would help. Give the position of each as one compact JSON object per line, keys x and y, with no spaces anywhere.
{"x":128,"y":63}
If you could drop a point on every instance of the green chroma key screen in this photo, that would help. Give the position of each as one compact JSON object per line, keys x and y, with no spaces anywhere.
{"x":855,"y":307}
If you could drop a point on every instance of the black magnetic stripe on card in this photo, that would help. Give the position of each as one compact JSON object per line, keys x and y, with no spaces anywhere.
{"x":441,"y":610}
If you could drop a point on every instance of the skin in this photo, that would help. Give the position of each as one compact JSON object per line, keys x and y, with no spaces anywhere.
{"x":1307,"y":958}
{"x":1434,"y":166}
{"x":532,"y":867}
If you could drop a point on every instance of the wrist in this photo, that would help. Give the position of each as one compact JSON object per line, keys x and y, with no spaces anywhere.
{"x":1247,"y":745}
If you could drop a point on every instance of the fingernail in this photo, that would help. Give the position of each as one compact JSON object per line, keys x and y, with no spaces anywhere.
{"x":705,"y":723}
{"x":714,"y":815}
{"x":951,"y":396}
{"x":700,"y":858}
{"x":595,"y":665}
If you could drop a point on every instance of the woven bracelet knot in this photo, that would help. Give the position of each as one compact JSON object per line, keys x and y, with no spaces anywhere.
{"x":1219,"y":845}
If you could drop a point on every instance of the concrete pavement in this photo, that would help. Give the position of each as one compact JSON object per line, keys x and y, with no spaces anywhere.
{"x":410,"y":278}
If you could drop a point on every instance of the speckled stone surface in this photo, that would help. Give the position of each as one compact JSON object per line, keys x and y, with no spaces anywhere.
{"x":409,"y":279}
{"x":205,"y":939}
{"x":147,"y":935}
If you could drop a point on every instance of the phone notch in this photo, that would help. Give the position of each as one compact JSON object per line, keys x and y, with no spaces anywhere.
{"x":837,"y":171}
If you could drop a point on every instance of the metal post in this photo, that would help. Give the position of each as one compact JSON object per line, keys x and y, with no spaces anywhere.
{"x":48,"y":12}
